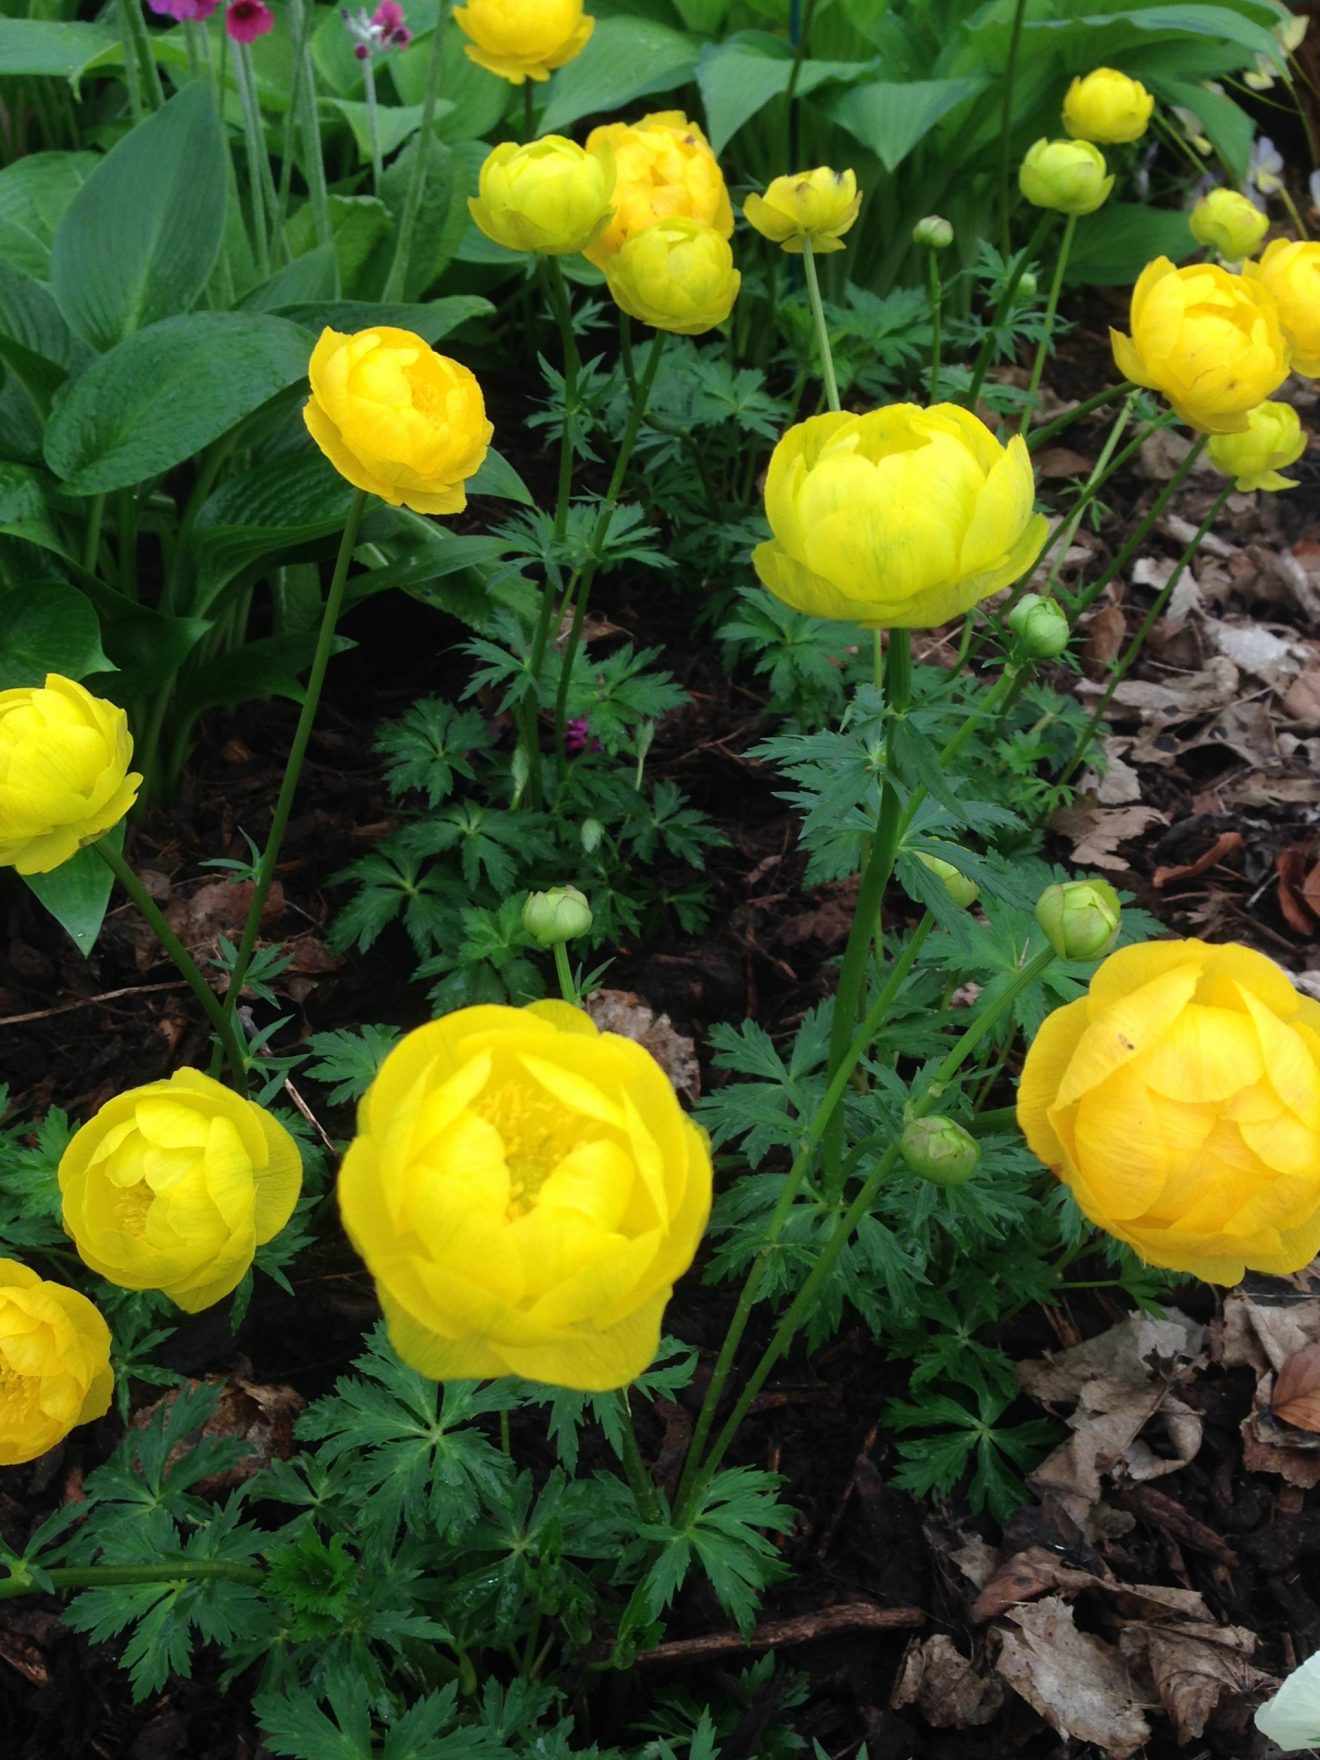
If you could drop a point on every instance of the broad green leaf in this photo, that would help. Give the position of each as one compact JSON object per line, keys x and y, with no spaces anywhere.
{"x":269,"y":667}
{"x":442,"y":218}
{"x":1225,"y":123}
{"x":25,"y":514}
{"x":626,"y":58}
{"x":476,"y":98}
{"x":1192,"y":20}
{"x":163,"y":394}
{"x":49,"y":626}
{"x":314,"y":276}
{"x":394,"y":123}
{"x":77,"y":892}
{"x":892,"y":118}
{"x":1114,"y":245}
{"x":739,"y":77}
{"x":30,"y":318}
{"x":140,"y":238}
{"x":498,"y":478}
{"x":51,"y":46}
{"x":277,"y":506}
{"x":430,"y":320}
{"x":357,"y":225}
{"x":34,"y":193}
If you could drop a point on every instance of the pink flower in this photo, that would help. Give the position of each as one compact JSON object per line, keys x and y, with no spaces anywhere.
{"x":578,"y":737}
{"x":388,"y":16}
{"x":246,"y":20}
{"x":184,"y":10}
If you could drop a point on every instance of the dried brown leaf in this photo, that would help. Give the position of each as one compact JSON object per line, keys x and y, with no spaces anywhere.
{"x":944,"y":1686}
{"x":1193,"y":1666}
{"x":1296,"y":1398}
{"x":1224,"y":845}
{"x":620,"y":1011}
{"x":1104,"y":641}
{"x":1077,"y":1683}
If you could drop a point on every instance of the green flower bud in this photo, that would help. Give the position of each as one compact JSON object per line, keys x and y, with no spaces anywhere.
{"x":561,"y":914}
{"x":961,"y":890}
{"x":1026,"y":289}
{"x":1079,"y":918}
{"x":934,"y":232}
{"x":1040,"y":625}
{"x":939,"y":1150}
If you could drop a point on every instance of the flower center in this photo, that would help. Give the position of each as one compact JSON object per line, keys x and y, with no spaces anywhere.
{"x":537,"y":1130}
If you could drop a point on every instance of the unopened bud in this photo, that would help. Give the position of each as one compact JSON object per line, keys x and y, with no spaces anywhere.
{"x":561,"y":914}
{"x":939,"y":1150}
{"x":1026,"y":288}
{"x":961,"y":890}
{"x":1040,"y":625}
{"x":934,"y":232}
{"x":1079,"y":918}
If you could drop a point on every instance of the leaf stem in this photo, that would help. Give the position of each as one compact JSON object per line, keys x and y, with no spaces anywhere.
{"x":396,"y":279}
{"x":110,"y":1576}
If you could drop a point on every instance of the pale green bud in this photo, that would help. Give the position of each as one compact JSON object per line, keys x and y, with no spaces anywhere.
{"x":939,"y":1150}
{"x":1079,"y":918}
{"x":561,"y":914}
{"x":934,"y":232}
{"x":1040,"y":625}
{"x":961,"y":890}
{"x":1026,"y":289}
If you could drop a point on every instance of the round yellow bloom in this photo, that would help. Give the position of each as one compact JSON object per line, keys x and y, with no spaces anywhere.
{"x":397,"y":419}
{"x":1210,"y":341}
{"x":901,"y":518}
{"x":524,"y":1190}
{"x":64,"y":776}
{"x":173,"y":1186}
{"x":54,"y":1363}
{"x":1290,"y":270}
{"x":1273,"y":439}
{"x":1068,"y":176}
{"x":663,"y":168}
{"x":551,"y":196}
{"x":1107,"y":106}
{"x":1179,"y":1100}
{"x":820,"y":205}
{"x":523,"y":39}
{"x":1225,"y":221}
{"x":677,"y":275}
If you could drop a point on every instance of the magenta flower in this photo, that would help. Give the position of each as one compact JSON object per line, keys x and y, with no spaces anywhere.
{"x":578,"y":737}
{"x":382,"y":31}
{"x":246,"y":20}
{"x":185,"y":11}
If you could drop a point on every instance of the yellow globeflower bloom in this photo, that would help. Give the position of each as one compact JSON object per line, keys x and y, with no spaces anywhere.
{"x":1208,"y":340}
{"x":820,"y":205}
{"x":64,"y":776}
{"x":1179,"y":1101}
{"x":1225,"y":221}
{"x":1107,"y":106}
{"x":397,"y":419}
{"x":523,"y":39}
{"x":551,"y":196}
{"x":902,"y":518}
{"x":525,"y":1190}
{"x":1068,"y":176}
{"x":54,"y":1363}
{"x":173,"y":1186}
{"x":677,"y":275}
{"x":663,"y":169}
{"x":1290,"y":270}
{"x":1273,"y":439}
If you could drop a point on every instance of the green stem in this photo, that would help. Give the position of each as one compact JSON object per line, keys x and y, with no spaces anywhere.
{"x":793,"y":1182}
{"x":870,"y":896}
{"x":297,"y":751}
{"x":92,"y":535}
{"x":639,"y":1480}
{"x":803,"y":1303}
{"x":412,"y":201}
{"x":256,"y":154}
{"x":564,"y":973}
{"x":1121,"y":669}
{"x":529,"y":111}
{"x":822,"y":330}
{"x":1010,"y":287}
{"x":108,"y":1576}
{"x":299,"y":30}
{"x":1138,"y":537}
{"x":1051,"y":309}
{"x":1042,"y":436}
{"x":373,"y":125}
{"x":936,"y":298}
{"x":1006,"y":124}
{"x":128,"y":43}
{"x":183,"y":960}
{"x":579,"y":587}
{"x":309,"y":126}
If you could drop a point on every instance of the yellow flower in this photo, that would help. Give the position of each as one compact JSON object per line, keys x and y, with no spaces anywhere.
{"x":1208,"y":340}
{"x":1179,"y":1100}
{"x":677,"y":275}
{"x":1068,"y":176}
{"x":524,"y":1190}
{"x":1225,"y":221}
{"x":173,"y":1186}
{"x":64,"y":776}
{"x":550,"y":196}
{"x":397,"y":419}
{"x":663,"y":168}
{"x":902,"y":518}
{"x":523,"y":39}
{"x":1273,"y":439}
{"x":820,"y":205}
{"x":54,"y":1363}
{"x":1290,"y":270}
{"x":1107,"y":106}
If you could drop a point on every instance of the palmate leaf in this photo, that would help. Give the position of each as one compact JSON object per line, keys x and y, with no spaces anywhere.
{"x":349,"y":1058}
{"x":429,"y":746}
{"x":725,"y":1536}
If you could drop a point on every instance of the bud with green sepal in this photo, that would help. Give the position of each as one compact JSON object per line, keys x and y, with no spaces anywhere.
{"x":559,"y":915}
{"x":939,"y":1150}
{"x":1079,"y":918}
{"x":934,"y":232}
{"x":961,"y":890}
{"x":1041,"y":627}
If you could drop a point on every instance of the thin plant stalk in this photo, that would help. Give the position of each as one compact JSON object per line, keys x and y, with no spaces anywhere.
{"x":216,"y":1013}
{"x":92,"y":532}
{"x":300,"y":30}
{"x":1042,"y":436}
{"x":794,"y":76}
{"x":1018,"y":269}
{"x":1137,"y":539}
{"x":803,"y":1303}
{"x":1006,"y":123}
{"x":936,"y":285}
{"x":822,"y":329}
{"x":309,"y":128}
{"x":640,"y":1481}
{"x":579,"y":587}
{"x":373,"y":124}
{"x":270,"y":855}
{"x":528,"y":111}
{"x":255,"y":144}
{"x":128,"y":43}
{"x":412,"y":201}
{"x":1051,"y":309}
{"x":114,"y":1576}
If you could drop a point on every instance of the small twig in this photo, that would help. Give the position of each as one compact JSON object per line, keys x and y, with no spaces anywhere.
{"x":44,"y":1014}
{"x":312,"y":1119}
{"x":852,"y":1616}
